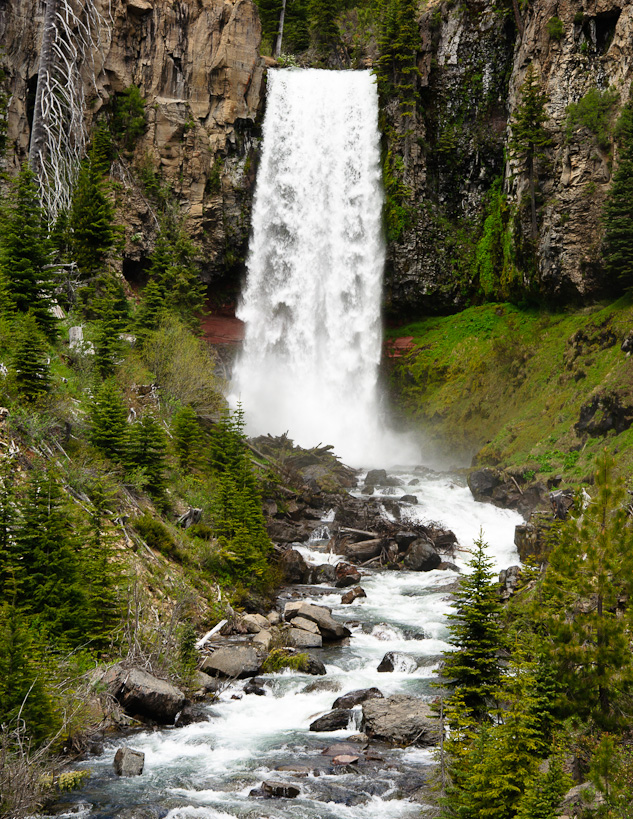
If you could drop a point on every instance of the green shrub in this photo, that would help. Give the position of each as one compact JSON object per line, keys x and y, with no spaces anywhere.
{"x":155,"y":534}
{"x":555,"y":28}
{"x":281,"y":658}
{"x":594,"y":112}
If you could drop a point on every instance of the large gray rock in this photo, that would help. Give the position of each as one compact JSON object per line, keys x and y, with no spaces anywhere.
{"x":356,"y":697}
{"x":142,"y":694}
{"x":329,"y":628}
{"x":421,"y":556}
{"x":280,"y":789}
{"x":364,"y":550}
{"x":299,"y":638}
{"x":236,"y":662}
{"x":400,"y":720}
{"x":325,"y":573}
{"x":397,"y":661}
{"x":332,"y":721}
{"x":293,"y":566}
{"x":128,"y":762}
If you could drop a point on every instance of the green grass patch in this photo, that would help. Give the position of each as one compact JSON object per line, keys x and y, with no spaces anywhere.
{"x":508,"y":384}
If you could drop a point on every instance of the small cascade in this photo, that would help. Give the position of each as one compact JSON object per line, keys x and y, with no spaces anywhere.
{"x":312,"y":299}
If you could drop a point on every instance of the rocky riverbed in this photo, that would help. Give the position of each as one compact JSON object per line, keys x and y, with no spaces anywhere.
{"x":348,"y":730}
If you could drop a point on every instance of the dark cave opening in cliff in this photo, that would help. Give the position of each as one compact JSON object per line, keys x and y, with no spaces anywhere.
{"x":599,"y":30}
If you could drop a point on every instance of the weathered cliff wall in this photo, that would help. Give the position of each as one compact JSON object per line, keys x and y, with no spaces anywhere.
{"x":198,"y":67}
{"x":473,"y":61}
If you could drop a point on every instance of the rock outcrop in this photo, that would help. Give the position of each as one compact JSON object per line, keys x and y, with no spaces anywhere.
{"x":198,"y":68}
{"x":400,"y":720}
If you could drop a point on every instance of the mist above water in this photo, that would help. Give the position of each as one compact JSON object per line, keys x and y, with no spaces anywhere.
{"x":311,"y":305}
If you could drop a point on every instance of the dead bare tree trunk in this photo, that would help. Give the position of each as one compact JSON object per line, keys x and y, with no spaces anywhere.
{"x":37,"y":147}
{"x":517,"y":17}
{"x":280,"y":34}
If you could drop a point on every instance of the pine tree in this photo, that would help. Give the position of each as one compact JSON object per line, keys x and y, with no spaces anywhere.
{"x":398,"y":44}
{"x":26,"y":252}
{"x":30,"y":360}
{"x":324,"y":30}
{"x":8,"y":523}
{"x":146,"y":449}
{"x":473,"y":669}
{"x":151,"y":310}
{"x":22,"y":690}
{"x":175,"y":273}
{"x":48,"y":581}
{"x":108,"y":420}
{"x":529,"y":137}
{"x":239,"y":522}
{"x":187,"y":438}
{"x":618,"y":210}
{"x":99,"y":572}
{"x":544,"y":793}
{"x":91,"y":219}
{"x":590,"y":569}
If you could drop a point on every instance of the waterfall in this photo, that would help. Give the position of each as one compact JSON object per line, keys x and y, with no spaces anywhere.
{"x":312,"y":347}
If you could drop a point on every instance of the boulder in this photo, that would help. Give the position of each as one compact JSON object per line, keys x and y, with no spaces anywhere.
{"x":400,"y":720}
{"x":509,"y":581}
{"x":192,"y":713}
{"x":356,"y":697}
{"x":583,"y":797}
{"x":254,"y":623}
{"x":292,"y":566}
{"x":236,"y":662}
{"x":274,"y":618}
{"x":284,"y":790}
{"x":397,"y":661}
{"x":447,"y":566}
{"x":332,"y":721}
{"x":376,"y":477}
{"x":305,"y":624}
{"x":299,"y":638}
{"x":482,"y":483}
{"x":353,"y":594}
{"x":142,"y":694}
{"x":128,"y":762}
{"x":345,"y":759}
{"x":329,"y":628}
{"x":263,"y":639}
{"x":207,"y":684}
{"x":325,"y":573}
{"x":255,"y":686}
{"x":346,"y":575}
{"x":409,"y":499}
{"x":421,"y":556}
{"x":314,"y":666}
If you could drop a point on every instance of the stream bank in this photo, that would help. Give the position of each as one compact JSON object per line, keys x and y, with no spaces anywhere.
{"x":210,"y":769}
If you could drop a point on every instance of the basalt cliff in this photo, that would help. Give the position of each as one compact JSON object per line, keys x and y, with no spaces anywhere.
{"x":197,"y":64}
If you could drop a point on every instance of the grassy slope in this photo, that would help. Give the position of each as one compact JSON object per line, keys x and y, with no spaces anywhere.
{"x":508,"y":384}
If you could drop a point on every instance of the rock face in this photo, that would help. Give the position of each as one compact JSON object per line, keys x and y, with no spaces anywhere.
{"x":141,"y":694}
{"x":128,"y":762}
{"x":200,"y":73}
{"x":472,"y":64}
{"x":400,"y":720}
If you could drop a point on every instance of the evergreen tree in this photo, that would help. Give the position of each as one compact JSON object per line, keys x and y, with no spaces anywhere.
{"x":239,"y":522}
{"x":128,"y":120}
{"x":30,"y":360}
{"x":187,"y":437}
{"x":99,"y":572}
{"x":7,"y":304}
{"x":23,"y":695}
{"x":151,"y":310}
{"x":48,"y":581}
{"x":324,"y":32}
{"x":146,"y":449}
{"x":544,"y":793}
{"x":91,"y":219}
{"x":175,"y":273}
{"x":473,"y":669}
{"x":398,"y":44}
{"x":8,"y":522}
{"x":618,"y":211}
{"x":26,"y":253}
{"x":108,"y":420}
{"x":590,"y":569}
{"x":529,"y":136}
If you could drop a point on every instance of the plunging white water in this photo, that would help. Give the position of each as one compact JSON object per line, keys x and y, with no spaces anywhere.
{"x":312,"y":299}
